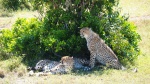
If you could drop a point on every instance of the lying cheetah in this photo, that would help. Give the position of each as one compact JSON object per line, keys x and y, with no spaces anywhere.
{"x":59,"y":69}
{"x":67,"y":64}
{"x":99,"y":50}
{"x":45,"y":65}
{"x":77,"y":63}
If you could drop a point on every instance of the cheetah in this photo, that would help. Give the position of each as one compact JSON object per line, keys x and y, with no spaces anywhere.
{"x":67,"y":64}
{"x":99,"y":50}
{"x":77,"y":63}
{"x":45,"y":65}
{"x":59,"y":69}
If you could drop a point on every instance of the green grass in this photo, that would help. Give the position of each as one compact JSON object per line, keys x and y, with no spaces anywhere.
{"x":134,"y":8}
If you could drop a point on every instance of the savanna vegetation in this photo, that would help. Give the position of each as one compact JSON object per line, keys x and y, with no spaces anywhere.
{"x":56,"y":32}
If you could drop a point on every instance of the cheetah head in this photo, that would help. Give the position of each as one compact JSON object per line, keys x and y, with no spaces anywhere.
{"x":66,"y":60}
{"x":85,"y":32}
{"x":40,"y":65}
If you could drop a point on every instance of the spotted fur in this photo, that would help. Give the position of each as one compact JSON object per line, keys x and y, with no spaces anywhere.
{"x":99,"y":50}
{"x":45,"y":65}
{"x":59,"y":69}
{"x":67,"y":64}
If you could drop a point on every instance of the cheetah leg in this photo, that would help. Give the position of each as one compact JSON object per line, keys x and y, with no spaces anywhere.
{"x":92,"y":60}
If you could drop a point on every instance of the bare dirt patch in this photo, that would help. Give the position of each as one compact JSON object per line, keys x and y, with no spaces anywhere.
{"x":146,"y":17}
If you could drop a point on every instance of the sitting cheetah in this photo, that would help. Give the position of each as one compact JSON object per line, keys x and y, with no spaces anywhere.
{"x":67,"y":64}
{"x":99,"y":50}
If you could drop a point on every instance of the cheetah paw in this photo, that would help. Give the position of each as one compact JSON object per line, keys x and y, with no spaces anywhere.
{"x":87,"y":69}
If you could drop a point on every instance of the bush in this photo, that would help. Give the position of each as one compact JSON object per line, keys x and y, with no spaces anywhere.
{"x":4,"y":38}
{"x":23,"y":39}
{"x":58,"y":33}
{"x":62,"y":23}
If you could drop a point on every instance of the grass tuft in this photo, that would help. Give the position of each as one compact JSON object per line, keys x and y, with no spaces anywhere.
{"x":2,"y":74}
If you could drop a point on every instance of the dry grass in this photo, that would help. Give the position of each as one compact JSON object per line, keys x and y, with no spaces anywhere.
{"x":135,"y":8}
{"x":6,"y":22}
